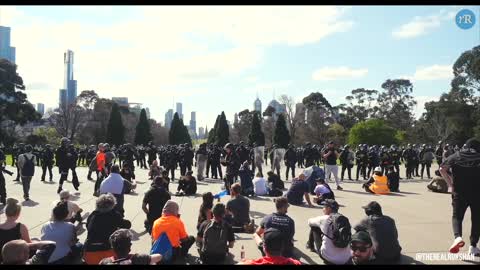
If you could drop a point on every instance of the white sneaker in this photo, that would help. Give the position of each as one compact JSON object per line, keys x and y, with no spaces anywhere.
{"x":474,"y":251}
{"x":457,"y":244}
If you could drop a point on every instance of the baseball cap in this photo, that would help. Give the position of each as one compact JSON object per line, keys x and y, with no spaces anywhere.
{"x":273,"y":238}
{"x":362,"y":237}
{"x":378,"y":169}
{"x":331,"y":203}
{"x":373,"y":206}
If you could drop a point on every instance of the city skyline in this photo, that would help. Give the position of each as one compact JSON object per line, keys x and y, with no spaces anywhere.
{"x":69,"y":91}
{"x":214,"y":67}
{"x":6,"y":50}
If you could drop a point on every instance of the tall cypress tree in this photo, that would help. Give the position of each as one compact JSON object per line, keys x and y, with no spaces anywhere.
{"x":222,"y":133}
{"x":256,"y":134}
{"x":178,"y":133}
{"x":142,"y":131}
{"x":212,"y":133}
{"x":115,"y":128}
{"x":282,"y":136}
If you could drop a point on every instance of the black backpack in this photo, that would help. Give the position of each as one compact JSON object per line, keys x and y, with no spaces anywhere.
{"x":215,"y":239}
{"x":28,"y":168}
{"x":340,"y":229}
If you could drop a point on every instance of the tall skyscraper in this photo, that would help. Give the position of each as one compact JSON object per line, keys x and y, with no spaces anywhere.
{"x":179,"y":110}
{"x":69,"y":84}
{"x":41,"y":108}
{"x":257,"y":105}
{"x":201,"y":133}
{"x":168,"y":118}
{"x":193,"y":122}
{"x":6,"y":51}
{"x":63,"y":98}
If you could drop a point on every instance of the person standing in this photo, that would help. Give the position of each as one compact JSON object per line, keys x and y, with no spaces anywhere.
{"x":47,"y":157}
{"x":290,"y":160}
{"x":346,"y":159}
{"x":62,"y":159}
{"x":72,"y":158}
{"x":232,"y":163}
{"x":101,"y":169}
{"x":26,"y":163}
{"x":3,"y":191}
{"x":154,"y":201}
{"x":464,"y":185}
{"x":330,"y":155}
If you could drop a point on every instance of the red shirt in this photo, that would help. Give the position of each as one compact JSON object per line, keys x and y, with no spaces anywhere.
{"x":275,"y":260}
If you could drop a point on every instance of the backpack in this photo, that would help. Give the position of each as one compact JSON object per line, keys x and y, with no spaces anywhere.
{"x":164,"y":247}
{"x":28,"y":168}
{"x":339,"y":227}
{"x":215,"y":239}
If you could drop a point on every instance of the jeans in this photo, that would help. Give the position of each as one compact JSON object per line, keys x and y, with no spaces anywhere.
{"x":334,"y":170}
{"x":460,"y":203}
{"x":26,"y":185}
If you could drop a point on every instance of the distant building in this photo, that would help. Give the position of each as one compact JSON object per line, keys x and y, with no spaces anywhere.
{"x":168,"y":118}
{"x":41,"y":108}
{"x":179,"y":110}
{"x":300,"y":113}
{"x":63,"y":98}
{"x":257,"y":105}
{"x":121,"y":101}
{"x":6,"y":50}
{"x":201,"y":133}
{"x":279,"y":108}
{"x":193,"y":121}
{"x":69,"y":84}
{"x":235,"y":119}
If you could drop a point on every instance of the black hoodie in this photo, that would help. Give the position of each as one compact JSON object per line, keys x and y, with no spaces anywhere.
{"x":465,"y":165}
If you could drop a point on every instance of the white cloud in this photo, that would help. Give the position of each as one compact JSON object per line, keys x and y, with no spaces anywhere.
{"x":421,"y":25}
{"x":338,"y":73}
{"x":420,"y":107}
{"x":435,"y":72}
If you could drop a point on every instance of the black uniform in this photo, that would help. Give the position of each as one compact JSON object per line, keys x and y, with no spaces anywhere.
{"x":3,"y":191}
{"x":214,"y":158}
{"x":64,"y":159}
{"x":410,"y":157}
{"x":47,"y":163}
{"x":232,"y":162}
{"x":345,"y":164}
{"x":290,"y":160}
{"x":362,"y":158}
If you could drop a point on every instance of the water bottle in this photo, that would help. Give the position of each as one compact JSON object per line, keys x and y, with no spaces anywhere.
{"x":242,"y":253}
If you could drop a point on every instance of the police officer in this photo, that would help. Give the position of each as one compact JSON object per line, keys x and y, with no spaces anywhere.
{"x":416,"y":159}
{"x":152,"y":153}
{"x":188,"y":157}
{"x":290,"y":160}
{"x":72,"y":158}
{"x":426,"y":159}
{"x":439,"y":153}
{"x":300,"y":157}
{"x":346,"y":159}
{"x":409,"y":155}
{"x":142,"y":153}
{"x":385,"y":159}
{"x":309,"y":155}
{"x":47,"y":162}
{"x":232,"y":163}
{"x":361,"y":157}
{"x":395,"y":156}
{"x":62,"y":159}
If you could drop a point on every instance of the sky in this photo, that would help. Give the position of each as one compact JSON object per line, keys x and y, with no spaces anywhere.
{"x":219,"y":58}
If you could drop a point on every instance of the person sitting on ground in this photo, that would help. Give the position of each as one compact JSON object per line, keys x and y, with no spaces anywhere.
{"x":383,"y":231}
{"x":274,"y":181}
{"x":115,"y":184}
{"x":17,"y":252}
{"x":68,"y":250}
{"x":128,"y":175}
{"x":325,"y":239}
{"x":438,"y":184}
{"x":246,"y":176}
{"x":260,"y":187}
{"x":121,"y":242}
{"x":215,"y":237}
{"x":187,"y":186}
{"x":322,"y":192}
{"x":74,"y":211}
{"x":10,"y":229}
{"x":171,"y":224}
{"x":362,"y":249}
{"x":298,"y":190}
{"x":101,"y":223}
{"x":378,"y":183}
{"x":154,"y":170}
{"x":238,"y":210}
{"x":154,"y":201}
{"x":393,"y":179}
{"x":205,"y":212}
{"x":166,"y":179}
{"x":273,"y":241}
{"x":280,"y":221}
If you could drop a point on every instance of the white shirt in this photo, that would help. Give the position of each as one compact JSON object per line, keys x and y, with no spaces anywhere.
{"x":112,"y":184}
{"x":260,"y":186}
{"x":328,"y":250}
{"x":321,"y":189}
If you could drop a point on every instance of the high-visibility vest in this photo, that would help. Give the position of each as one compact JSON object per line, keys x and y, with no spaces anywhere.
{"x":380,"y":186}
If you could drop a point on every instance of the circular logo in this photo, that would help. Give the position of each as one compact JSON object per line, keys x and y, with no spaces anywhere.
{"x":465,"y":19}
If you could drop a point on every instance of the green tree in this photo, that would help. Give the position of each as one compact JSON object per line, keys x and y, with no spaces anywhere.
{"x":282,"y":136}
{"x":178,"y":133}
{"x":212,"y":134}
{"x":115,"y":128}
{"x":395,"y":103}
{"x":142,"y":131}
{"x":256,"y":134}
{"x":373,"y":131}
{"x":337,"y":133}
{"x":222,"y":133}
{"x":466,"y":71}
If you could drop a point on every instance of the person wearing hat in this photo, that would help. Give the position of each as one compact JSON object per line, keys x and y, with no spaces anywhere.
{"x":171,"y":224}
{"x":273,"y":245}
{"x":232,"y":162}
{"x":378,"y":183}
{"x":347,"y":159}
{"x":330,"y":155}
{"x":318,"y":241}
{"x":464,"y":184}
{"x":74,"y":211}
{"x":187,"y":185}
{"x":362,"y":249}
{"x":383,"y":231}
{"x":322,"y":192}
{"x":26,"y":164}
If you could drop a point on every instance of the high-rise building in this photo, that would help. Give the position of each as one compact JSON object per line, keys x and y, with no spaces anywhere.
{"x":147,"y":111}
{"x":201,"y":133}
{"x":193,"y":122}
{"x":168,"y":118}
{"x":41,"y":108}
{"x":257,"y":105}
{"x":63,"y":98}
{"x":69,"y":84}
{"x":179,"y":110}
{"x":6,"y":51}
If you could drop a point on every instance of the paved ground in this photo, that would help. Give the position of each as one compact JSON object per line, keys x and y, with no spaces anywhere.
{"x":423,"y":218}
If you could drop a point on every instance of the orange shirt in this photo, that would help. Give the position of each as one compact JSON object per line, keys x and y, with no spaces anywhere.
{"x":100,"y":161}
{"x":172,"y":226}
